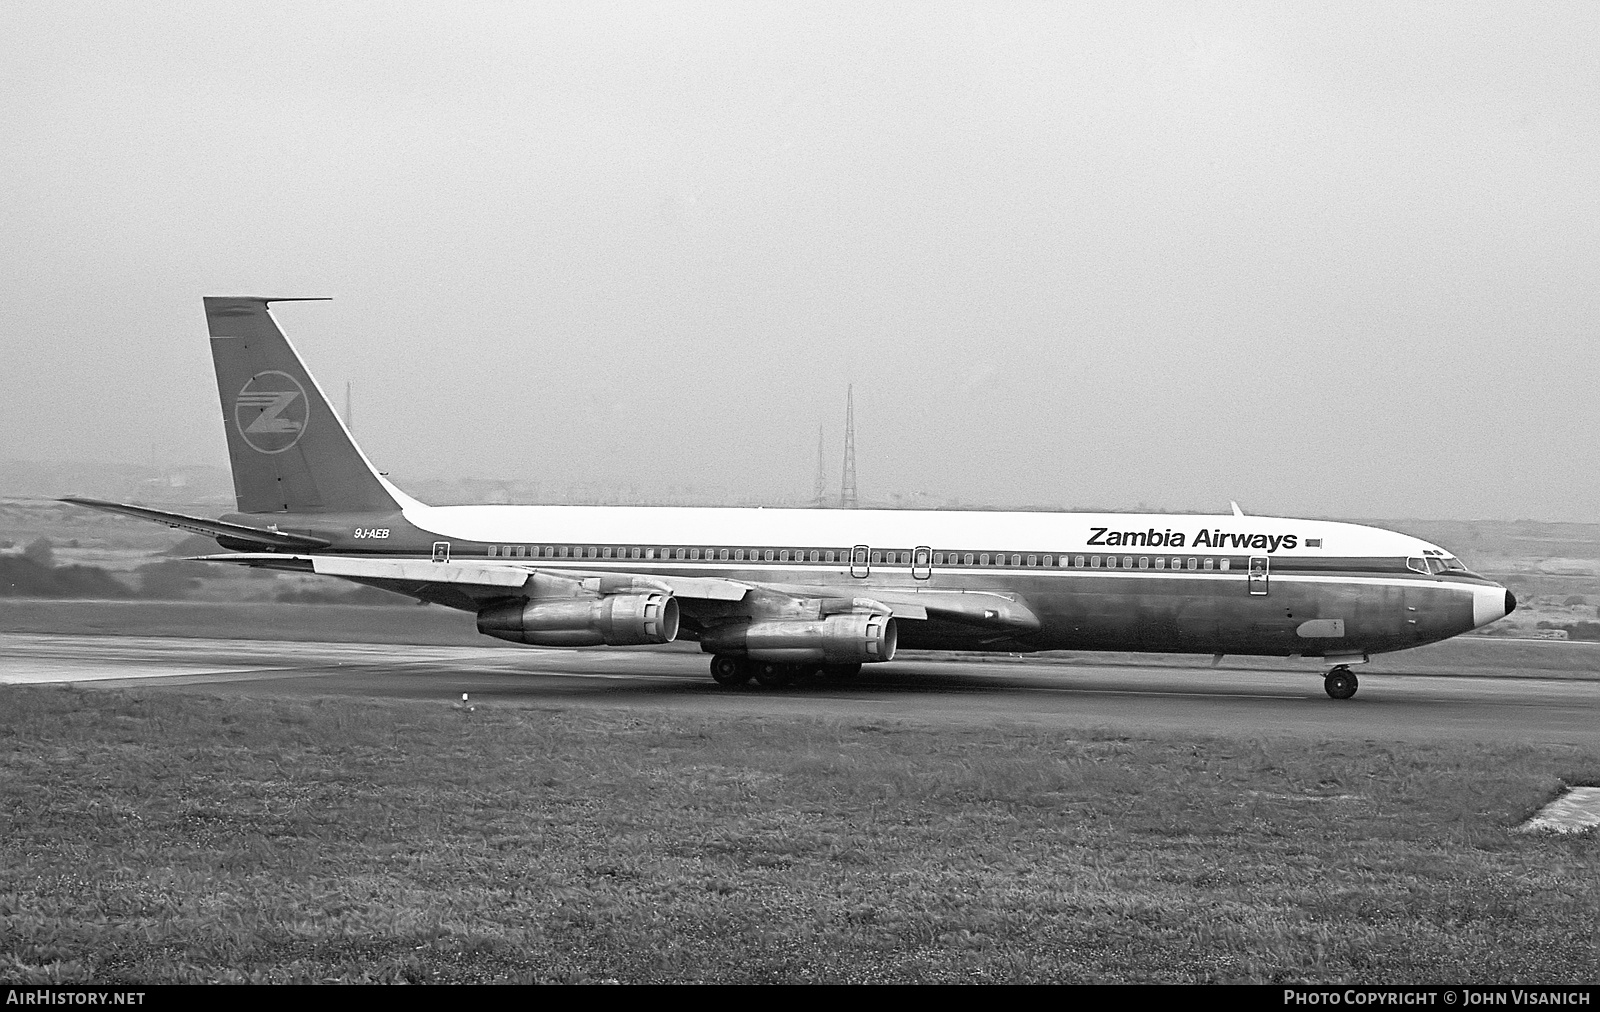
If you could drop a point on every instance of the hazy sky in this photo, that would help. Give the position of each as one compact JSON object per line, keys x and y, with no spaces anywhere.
{"x":1330,"y":259}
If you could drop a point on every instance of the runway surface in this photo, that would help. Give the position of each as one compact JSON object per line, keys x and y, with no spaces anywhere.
{"x":1198,"y":700}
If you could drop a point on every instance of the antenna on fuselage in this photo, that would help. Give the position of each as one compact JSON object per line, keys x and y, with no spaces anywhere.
{"x":1236,"y":510}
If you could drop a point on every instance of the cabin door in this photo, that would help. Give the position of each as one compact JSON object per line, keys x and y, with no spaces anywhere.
{"x":441,"y":551}
{"x":860,"y":562}
{"x":1258,"y":575}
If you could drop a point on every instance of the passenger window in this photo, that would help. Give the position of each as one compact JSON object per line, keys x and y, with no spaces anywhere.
{"x":967,"y":559}
{"x":605,"y":553}
{"x":1224,"y":563}
{"x":680,"y":553}
{"x":522,"y":551}
{"x":828,"y":557}
{"x":694,"y":553}
{"x":1049,"y":560}
{"x":1078,"y":561}
{"x":1209,"y":564}
{"x":1161,"y":563}
{"x":723,"y":555}
{"x":1016,"y":560}
{"x":1144,"y":563}
{"x":1192,"y":563}
{"x":983,"y":558}
{"x":1094,"y":562}
{"x":783,"y":556}
{"x":1033,"y":560}
{"x":769,"y":555}
{"x":1127,"y":562}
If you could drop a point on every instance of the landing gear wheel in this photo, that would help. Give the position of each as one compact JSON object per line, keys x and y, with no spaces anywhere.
{"x":1341,"y":683}
{"x":840,"y":672}
{"x":774,"y":676}
{"x":726,"y":669}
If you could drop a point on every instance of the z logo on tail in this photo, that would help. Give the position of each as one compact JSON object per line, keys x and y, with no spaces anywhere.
{"x":271,"y":411}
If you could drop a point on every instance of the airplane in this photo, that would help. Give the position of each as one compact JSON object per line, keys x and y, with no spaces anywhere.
{"x":776,"y":595}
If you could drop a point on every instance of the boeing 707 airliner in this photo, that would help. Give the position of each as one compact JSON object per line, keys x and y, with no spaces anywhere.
{"x":775,"y":595}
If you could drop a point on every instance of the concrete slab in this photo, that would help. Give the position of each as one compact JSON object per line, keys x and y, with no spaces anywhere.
{"x":1573,"y":812}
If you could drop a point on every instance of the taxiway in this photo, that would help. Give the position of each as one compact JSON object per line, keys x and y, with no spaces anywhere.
{"x":1040,"y":690}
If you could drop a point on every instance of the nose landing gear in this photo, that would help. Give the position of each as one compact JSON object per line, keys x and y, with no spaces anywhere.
{"x":1341,"y":682}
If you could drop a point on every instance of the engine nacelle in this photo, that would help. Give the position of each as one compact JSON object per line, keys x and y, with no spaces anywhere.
{"x":837,"y":639}
{"x":614,"y":621}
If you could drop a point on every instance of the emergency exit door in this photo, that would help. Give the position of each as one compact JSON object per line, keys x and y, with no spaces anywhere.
{"x":1258,"y":574}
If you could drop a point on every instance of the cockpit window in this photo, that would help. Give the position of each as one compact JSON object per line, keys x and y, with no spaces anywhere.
{"x":1436,"y":565}
{"x":1417,"y":565}
{"x":1453,"y":565}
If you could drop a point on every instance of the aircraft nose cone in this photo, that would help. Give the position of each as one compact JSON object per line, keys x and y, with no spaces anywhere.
{"x":1489,"y":603}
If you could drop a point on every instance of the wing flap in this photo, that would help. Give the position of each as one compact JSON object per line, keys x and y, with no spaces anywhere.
{"x":984,"y":609}
{"x":504,"y":578}
{"x":419,"y":571}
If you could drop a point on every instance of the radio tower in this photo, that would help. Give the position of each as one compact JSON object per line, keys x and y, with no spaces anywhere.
{"x":820,"y":490}
{"x":847,"y":487}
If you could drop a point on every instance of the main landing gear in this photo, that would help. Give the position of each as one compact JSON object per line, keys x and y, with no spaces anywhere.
{"x":1341,"y":682}
{"x":729,"y":669}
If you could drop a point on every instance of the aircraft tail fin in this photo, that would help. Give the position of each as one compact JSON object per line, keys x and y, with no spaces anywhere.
{"x":290,"y":453}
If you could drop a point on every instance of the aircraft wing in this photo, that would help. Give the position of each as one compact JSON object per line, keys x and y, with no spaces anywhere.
{"x":984,"y":609}
{"x":201,"y":525}
{"x":469,"y":586}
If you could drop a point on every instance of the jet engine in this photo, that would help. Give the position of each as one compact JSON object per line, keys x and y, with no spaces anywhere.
{"x":854,"y":638}
{"x":616,"y":620}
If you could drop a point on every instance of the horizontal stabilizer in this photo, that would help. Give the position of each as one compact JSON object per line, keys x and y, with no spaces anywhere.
{"x":201,"y":525}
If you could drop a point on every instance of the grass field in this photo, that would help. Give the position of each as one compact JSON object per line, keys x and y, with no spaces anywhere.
{"x":179,"y":837}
